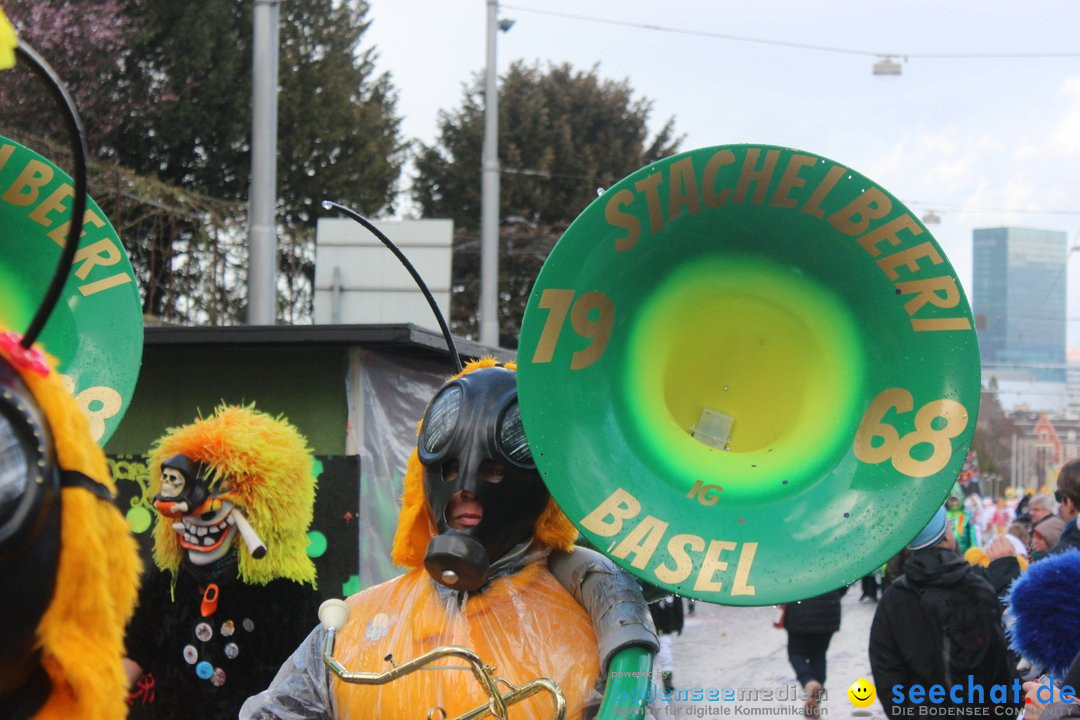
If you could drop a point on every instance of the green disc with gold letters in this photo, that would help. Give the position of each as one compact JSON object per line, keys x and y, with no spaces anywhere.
{"x":96,"y":329}
{"x":748,"y":374}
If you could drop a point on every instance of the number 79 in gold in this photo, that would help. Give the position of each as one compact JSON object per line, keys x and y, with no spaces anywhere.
{"x":592,"y":316}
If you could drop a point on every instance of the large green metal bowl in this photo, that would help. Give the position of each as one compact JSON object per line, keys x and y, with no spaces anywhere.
{"x":749,"y":374}
{"x":96,"y":329}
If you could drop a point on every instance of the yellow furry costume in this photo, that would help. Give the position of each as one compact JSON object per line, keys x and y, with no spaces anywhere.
{"x":209,"y":635}
{"x":81,"y":635}
{"x":525,"y":624}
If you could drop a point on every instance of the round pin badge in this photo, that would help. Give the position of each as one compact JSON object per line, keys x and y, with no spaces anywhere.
{"x":204,"y":632}
{"x":228,"y":628}
{"x":191,"y":655}
{"x":204,"y":670}
{"x":377,"y":628}
{"x":232,"y":650}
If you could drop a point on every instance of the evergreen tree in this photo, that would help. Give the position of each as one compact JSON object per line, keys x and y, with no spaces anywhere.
{"x":84,"y":42}
{"x":562,"y":134}
{"x":179,"y":78}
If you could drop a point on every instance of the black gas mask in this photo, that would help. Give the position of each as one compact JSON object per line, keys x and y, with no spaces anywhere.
{"x":29,"y":535}
{"x":482,"y":487}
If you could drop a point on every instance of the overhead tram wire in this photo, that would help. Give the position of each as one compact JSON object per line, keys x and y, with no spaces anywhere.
{"x":962,"y":210}
{"x":788,"y":44}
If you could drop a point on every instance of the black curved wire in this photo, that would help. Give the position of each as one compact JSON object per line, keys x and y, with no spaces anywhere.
{"x":79,"y":153}
{"x":331,"y":205}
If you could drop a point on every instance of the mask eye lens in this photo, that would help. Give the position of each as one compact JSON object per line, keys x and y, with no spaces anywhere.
{"x":512,"y":437}
{"x":441,"y":420}
{"x":14,"y":468}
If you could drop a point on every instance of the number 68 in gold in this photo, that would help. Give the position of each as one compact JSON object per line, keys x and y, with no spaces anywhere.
{"x":898,"y":448}
{"x":592,"y":316}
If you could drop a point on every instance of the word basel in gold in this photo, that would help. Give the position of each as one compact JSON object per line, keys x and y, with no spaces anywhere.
{"x":686,"y":551}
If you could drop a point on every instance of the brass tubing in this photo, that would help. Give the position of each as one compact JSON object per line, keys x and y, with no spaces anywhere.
{"x":527,"y":690}
{"x":496,"y":705}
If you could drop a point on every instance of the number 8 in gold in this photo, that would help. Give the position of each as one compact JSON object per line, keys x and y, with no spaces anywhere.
{"x":898,"y":449}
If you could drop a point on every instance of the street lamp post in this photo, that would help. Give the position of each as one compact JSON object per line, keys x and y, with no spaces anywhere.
{"x":489,"y":193}
{"x":262,"y":225}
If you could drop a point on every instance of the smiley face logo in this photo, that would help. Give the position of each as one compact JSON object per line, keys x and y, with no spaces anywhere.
{"x":861,"y":693}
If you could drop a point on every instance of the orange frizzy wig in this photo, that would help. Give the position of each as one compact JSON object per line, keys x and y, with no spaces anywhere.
{"x":267,"y":469}
{"x":416,"y":528}
{"x":81,"y":635}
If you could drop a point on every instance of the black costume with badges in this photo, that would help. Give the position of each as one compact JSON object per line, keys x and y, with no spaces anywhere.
{"x":242,"y":642}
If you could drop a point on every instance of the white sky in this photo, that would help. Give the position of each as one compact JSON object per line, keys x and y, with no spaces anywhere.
{"x":983,"y":141}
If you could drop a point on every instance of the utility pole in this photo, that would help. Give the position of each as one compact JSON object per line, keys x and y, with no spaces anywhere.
{"x":262,"y":223}
{"x":489,"y":193}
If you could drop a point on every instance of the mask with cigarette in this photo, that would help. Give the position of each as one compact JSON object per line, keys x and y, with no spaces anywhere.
{"x":238,"y":482}
{"x":207,"y":519}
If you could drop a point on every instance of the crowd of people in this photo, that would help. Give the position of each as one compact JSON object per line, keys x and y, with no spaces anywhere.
{"x":982,"y":596}
{"x":987,"y":604}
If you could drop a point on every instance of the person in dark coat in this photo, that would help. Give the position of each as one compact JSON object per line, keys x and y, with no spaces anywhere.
{"x":937,"y":624}
{"x":667,"y":614}
{"x":894,"y":569}
{"x":869,"y":587}
{"x":1067,"y":493}
{"x":810,"y":626}
{"x":1004,"y":566}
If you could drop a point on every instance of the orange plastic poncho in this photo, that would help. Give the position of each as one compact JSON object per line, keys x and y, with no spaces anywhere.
{"x":526,"y":625}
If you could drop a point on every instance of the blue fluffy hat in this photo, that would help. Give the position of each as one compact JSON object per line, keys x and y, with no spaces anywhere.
{"x":1046,"y":627}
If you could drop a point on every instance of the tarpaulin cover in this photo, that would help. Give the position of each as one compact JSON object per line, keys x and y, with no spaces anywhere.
{"x":387,"y":395}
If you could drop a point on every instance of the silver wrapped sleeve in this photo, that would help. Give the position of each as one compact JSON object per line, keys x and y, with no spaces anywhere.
{"x":612,"y":598}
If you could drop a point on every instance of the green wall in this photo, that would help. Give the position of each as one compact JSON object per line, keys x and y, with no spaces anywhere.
{"x":178,"y":382}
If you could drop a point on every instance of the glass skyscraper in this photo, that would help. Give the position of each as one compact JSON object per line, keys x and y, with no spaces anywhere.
{"x":1018,"y":278}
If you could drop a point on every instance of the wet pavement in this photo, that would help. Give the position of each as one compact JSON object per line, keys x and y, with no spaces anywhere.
{"x":732,"y":662}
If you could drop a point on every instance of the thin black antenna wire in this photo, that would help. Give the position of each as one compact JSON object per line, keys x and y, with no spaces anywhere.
{"x":331,"y":205}
{"x":79,"y":152}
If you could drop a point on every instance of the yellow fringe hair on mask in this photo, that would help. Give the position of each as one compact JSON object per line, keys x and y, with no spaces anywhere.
{"x":269,"y":469}
{"x":416,"y":528}
{"x":81,"y":635}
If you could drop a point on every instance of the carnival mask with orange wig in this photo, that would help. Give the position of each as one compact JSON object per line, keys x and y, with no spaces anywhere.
{"x":207,"y":518}
{"x":239,"y":473}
